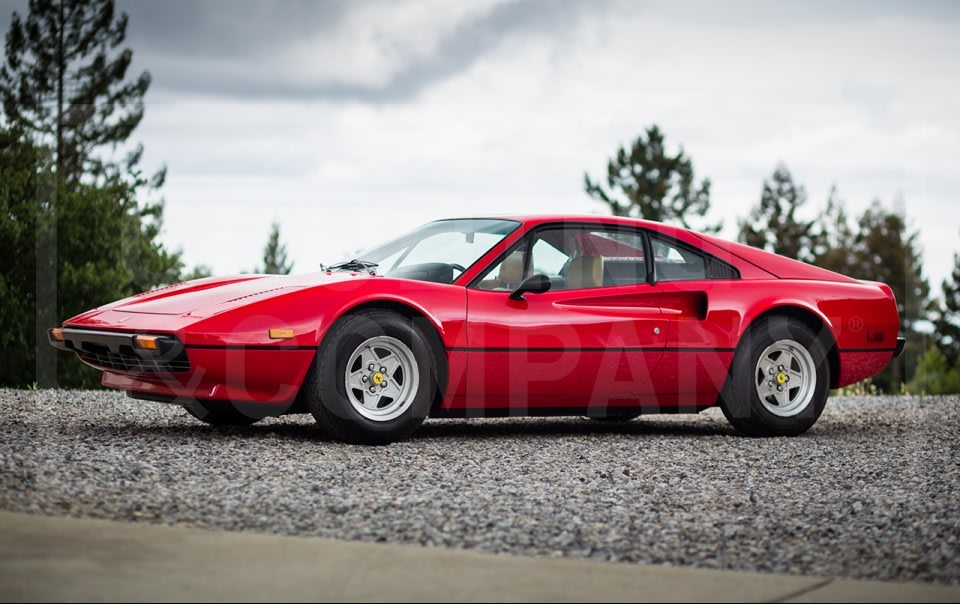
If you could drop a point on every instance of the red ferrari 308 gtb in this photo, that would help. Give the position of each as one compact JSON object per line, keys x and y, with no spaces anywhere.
{"x":550,"y":315}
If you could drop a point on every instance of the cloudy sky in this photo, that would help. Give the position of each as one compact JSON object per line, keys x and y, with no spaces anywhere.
{"x":349,"y":122}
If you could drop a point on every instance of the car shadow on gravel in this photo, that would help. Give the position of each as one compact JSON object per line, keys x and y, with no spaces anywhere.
{"x":563,"y":427}
{"x":304,"y":431}
{"x":463,"y":429}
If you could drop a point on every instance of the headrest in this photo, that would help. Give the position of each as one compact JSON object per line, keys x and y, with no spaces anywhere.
{"x":511,"y":269}
{"x":585,"y":271}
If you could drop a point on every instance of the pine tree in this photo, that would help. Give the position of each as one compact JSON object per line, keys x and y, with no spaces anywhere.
{"x":65,"y":82}
{"x":26,"y":178}
{"x":105,"y":249}
{"x":275,"y":254}
{"x":647,"y":182}
{"x":774,"y":225}
{"x":887,"y":250}
{"x":947,"y":321}
{"x":68,"y":104}
{"x":834,"y":239}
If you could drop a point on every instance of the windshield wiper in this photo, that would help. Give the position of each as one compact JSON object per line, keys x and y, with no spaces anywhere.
{"x":356,"y":265}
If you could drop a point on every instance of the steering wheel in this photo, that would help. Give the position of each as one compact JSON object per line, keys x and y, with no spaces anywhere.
{"x":456,"y":266}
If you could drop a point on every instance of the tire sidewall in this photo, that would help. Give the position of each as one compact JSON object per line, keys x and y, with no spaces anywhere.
{"x":333,"y":355}
{"x":742,"y":404}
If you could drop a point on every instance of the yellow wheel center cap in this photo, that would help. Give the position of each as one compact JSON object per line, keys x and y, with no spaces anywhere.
{"x":378,"y":378}
{"x":781,"y":378}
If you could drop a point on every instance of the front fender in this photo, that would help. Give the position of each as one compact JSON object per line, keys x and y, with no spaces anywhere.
{"x":310,"y":312}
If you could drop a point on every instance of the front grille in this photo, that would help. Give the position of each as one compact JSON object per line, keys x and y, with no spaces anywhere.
{"x":131,"y":362}
{"x":117,"y":351}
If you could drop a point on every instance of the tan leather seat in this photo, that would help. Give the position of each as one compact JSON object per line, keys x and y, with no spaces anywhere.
{"x":509,"y":276}
{"x":585,"y":271}
{"x":511,"y":270}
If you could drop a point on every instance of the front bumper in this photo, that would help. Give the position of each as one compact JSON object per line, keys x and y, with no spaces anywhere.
{"x":901,"y":343}
{"x":116,"y":351}
{"x":176,"y":371}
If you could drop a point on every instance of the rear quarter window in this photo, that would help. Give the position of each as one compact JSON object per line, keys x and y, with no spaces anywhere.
{"x":676,"y":261}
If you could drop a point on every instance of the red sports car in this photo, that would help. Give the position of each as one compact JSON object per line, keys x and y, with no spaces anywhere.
{"x":550,"y":315}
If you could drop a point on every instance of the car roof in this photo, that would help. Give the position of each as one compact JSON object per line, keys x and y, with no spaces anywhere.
{"x":535,"y":219}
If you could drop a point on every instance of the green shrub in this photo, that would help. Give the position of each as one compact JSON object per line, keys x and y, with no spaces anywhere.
{"x":934,"y":375}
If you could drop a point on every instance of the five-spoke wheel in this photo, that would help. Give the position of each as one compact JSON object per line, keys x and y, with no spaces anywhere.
{"x":786,"y":378}
{"x":373,"y":380}
{"x":779,"y":379}
{"x":381,"y":378}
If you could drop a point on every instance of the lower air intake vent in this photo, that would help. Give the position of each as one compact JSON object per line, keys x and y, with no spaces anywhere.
{"x":132,"y":362}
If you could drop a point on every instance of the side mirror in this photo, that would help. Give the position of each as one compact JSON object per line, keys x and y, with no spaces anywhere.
{"x":535,"y":284}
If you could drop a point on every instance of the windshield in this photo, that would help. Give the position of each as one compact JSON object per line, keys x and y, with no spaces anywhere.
{"x":439,"y":251}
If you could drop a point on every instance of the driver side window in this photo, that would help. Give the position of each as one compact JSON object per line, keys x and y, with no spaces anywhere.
{"x":506,"y":275}
{"x":545,"y":258}
{"x":548,"y":260}
{"x":573,"y":257}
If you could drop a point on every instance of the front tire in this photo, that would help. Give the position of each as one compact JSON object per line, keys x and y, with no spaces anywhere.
{"x":373,"y":379}
{"x":779,"y":380}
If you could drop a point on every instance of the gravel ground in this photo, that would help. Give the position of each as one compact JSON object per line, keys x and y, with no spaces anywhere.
{"x":872,"y":491}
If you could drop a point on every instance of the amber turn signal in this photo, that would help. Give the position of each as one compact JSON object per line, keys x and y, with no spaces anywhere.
{"x":281,"y":334}
{"x":145,"y":342}
{"x":57,"y":334}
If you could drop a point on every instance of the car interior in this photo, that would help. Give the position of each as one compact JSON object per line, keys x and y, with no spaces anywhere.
{"x":589,"y":260}
{"x":600,"y":259}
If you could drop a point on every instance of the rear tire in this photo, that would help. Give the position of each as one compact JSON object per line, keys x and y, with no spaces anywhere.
{"x":356,"y":404}
{"x":220,"y":413}
{"x":779,"y":379}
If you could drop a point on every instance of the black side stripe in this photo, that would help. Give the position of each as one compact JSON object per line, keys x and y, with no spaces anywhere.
{"x":494,"y":349}
{"x":630,"y":349}
{"x":246,"y":347}
{"x":699,"y":349}
{"x":868,"y":350}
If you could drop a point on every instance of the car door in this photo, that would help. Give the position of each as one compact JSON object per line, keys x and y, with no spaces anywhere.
{"x":698,"y":351}
{"x":596,"y":335}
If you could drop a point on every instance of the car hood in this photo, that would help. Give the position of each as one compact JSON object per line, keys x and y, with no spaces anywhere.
{"x":205,"y":297}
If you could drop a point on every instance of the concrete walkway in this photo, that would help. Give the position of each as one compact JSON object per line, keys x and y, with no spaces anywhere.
{"x":43,"y":558}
